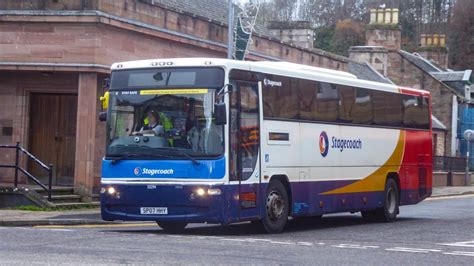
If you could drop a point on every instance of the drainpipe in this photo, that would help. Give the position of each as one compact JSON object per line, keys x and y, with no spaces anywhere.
{"x":230,"y":31}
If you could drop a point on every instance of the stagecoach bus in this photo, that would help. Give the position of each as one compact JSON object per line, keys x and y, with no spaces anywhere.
{"x":205,"y":140}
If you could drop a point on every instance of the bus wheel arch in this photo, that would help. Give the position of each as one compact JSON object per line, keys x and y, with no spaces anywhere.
{"x":277,"y":205}
{"x":286,"y":183}
{"x":396,"y":177}
{"x":391,"y":202}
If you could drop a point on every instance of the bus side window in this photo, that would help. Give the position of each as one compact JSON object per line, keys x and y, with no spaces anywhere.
{"x":388,"y":108}
{"x":362,"y":111}
{"x":307,"y":91}
{"x":416,"y":112}
{"x":287,"y":100}
{"x":346,"y":103}
{"x":328,"y":101}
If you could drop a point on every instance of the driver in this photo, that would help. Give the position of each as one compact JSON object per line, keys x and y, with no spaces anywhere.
{"x":153,"y":126}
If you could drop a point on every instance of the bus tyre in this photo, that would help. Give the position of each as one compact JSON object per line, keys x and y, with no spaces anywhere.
{"x":277,"y":206}
{"x":172,"y":227}
{"x":389,"y":211}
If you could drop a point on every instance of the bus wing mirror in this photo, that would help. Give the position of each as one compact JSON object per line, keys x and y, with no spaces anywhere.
{"x":102,"y":116}
{"x":220,"y":114}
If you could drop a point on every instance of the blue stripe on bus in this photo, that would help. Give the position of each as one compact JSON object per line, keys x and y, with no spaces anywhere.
{"x":149,"y":169}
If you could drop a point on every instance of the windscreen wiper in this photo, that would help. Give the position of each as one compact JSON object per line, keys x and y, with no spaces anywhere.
{"x":131,"y":155}
{"x":183,"y":153}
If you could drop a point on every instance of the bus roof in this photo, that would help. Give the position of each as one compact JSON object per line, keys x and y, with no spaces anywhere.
{"x":270,"y":67}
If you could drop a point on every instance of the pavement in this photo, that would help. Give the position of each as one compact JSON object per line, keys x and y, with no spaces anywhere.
{"x":92,"y":216}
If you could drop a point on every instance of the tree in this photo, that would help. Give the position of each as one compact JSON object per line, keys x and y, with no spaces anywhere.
{"x":461,"y":40}
{"x":347,"y":33}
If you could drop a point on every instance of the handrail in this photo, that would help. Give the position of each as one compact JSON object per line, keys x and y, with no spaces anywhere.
{"x":18,"y":168}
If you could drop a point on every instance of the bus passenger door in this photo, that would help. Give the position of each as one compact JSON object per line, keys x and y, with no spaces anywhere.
{"x":244,"y":150}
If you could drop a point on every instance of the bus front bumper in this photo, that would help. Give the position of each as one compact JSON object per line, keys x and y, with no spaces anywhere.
{"x":183,"y":203}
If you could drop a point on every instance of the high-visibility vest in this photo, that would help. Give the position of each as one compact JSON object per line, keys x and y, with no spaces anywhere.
{"x":164,"y":121}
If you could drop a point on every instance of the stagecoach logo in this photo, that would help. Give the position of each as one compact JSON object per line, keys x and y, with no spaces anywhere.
{"x":137,"y":171}
{"x":146,"y":171}
{"x":337,"y":144}
{"x":323,"y":144}
{"x":271,"y":83}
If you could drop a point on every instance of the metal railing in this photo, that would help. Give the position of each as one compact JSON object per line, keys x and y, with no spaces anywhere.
{"x":18,"y":168}
{"x":449,"y":164}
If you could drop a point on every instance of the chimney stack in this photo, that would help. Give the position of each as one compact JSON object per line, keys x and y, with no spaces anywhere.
{"x":299,"y":33}
{"x":384,"y":16}
{"x":433,"y":47}
{"x":383,"y":29}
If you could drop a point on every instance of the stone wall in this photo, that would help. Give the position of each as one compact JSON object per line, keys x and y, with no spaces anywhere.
{"x":388,"y":38}
{"x":142,"y":17}
{"x":440,"y":148}
{"x":299,"y":33}
{"x":376,"y":56}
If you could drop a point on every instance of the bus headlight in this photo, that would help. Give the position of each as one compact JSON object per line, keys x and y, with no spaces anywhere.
{"x":111,"y":191}
{"x":200,"y":192}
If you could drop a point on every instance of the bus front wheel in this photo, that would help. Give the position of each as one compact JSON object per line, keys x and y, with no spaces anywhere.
{"x":172,"y":227}
{"x":388,"y":213}
{"x":277,"y":205}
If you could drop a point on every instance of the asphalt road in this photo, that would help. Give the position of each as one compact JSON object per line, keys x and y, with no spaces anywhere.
{"x":435,"y":232}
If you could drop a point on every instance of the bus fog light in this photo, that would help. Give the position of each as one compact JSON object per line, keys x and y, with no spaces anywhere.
{"x":214,"y":191}
{"x":102,"y":190}
{"x":200,"y":192}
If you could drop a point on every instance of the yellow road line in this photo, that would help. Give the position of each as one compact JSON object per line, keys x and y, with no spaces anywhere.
{"x":97,"y":225}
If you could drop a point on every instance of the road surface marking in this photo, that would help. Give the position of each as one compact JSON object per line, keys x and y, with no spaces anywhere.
{"x":320,"y":243}
{"x":305,"y":243}
{"x":282,"y":243}
{"x":259,"y":239}
{"x":460,"y":253}
{"x":58,"y":229}
{"x":469,"y":244}
{"x":96,"y":225}
{"x":235,"y":239}
{"x":413,"y":250}
{"x":353,"y":246}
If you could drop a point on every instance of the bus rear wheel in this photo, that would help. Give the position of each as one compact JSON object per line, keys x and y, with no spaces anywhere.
{"x":277,"y":205}
{"x":390,"y":209}
{"x":172,"y":227}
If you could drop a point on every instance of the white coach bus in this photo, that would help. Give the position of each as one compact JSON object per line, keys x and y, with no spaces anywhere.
{"x":194,"y":140}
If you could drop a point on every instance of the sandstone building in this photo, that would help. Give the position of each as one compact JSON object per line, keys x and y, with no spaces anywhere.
{"x":54,"y":56}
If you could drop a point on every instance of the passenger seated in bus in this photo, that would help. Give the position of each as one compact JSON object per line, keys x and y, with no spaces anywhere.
{"x":196,"y":134}
{"x":153,"y":127}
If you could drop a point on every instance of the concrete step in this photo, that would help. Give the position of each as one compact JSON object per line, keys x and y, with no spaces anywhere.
{"x":71,"y":198}
{"x":56,"y":191}
{"x":77,"y":204}
{"x":95,"y":197}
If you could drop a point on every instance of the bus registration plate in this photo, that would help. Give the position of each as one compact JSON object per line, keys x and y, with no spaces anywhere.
{"x":153,"y":210}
